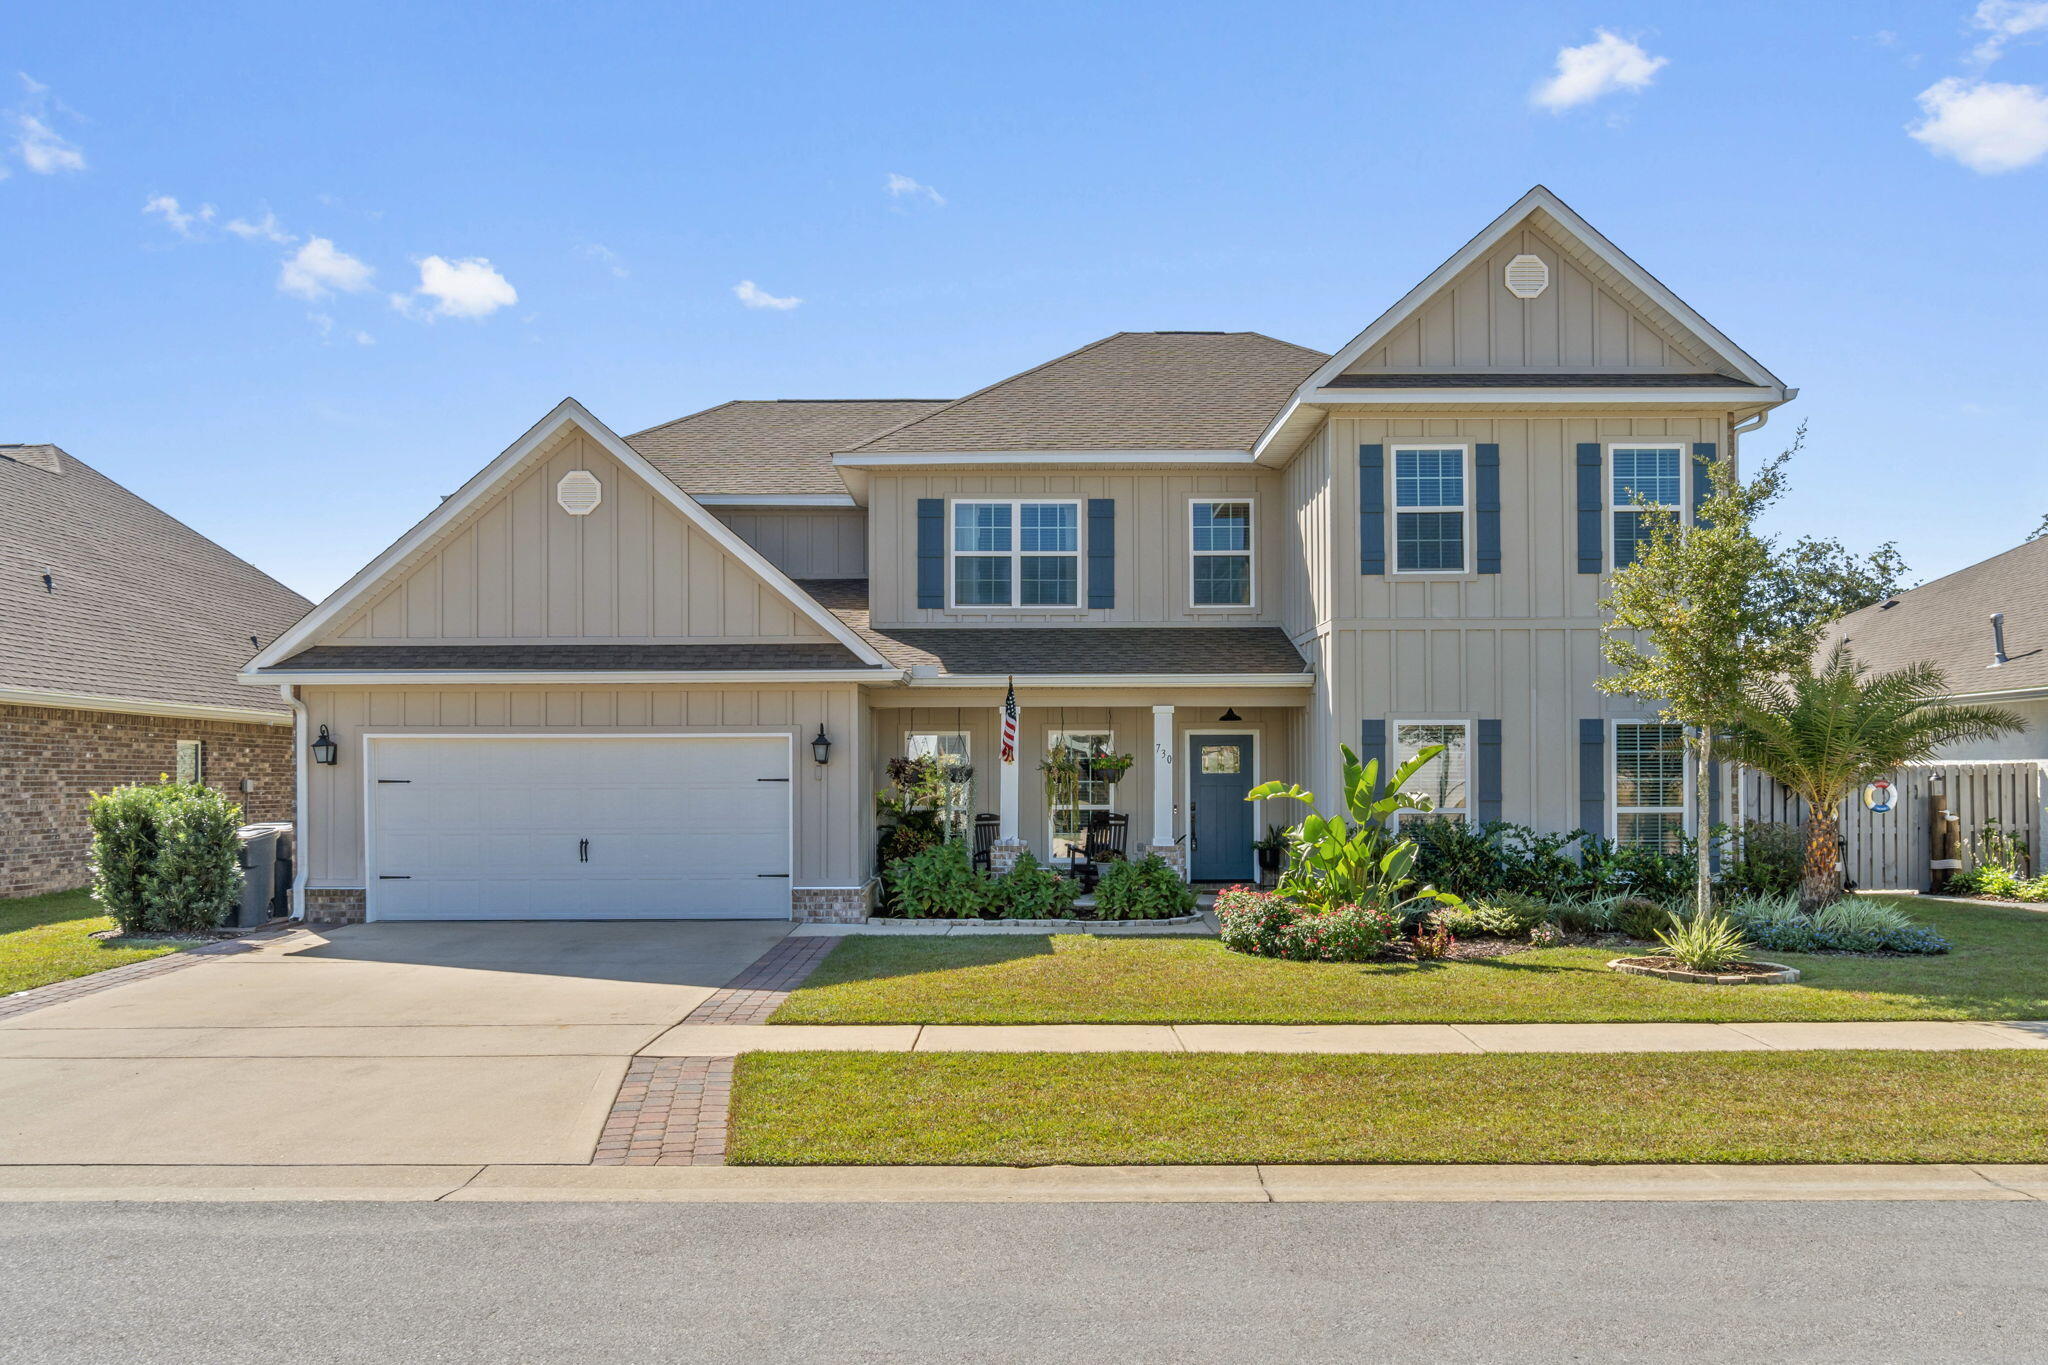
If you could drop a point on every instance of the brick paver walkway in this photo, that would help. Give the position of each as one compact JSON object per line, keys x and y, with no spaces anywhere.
{"x":58,"y":992}
{"x":754,"y":994}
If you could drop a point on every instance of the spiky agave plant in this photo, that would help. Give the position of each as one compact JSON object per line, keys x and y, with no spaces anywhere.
{"x":1704,"y":943}
{"x":1824,"y":730}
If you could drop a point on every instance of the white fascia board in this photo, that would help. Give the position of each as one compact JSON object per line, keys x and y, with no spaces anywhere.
{"x":568,"y":412}
{"x":1995,"y":695}
{"x":856,"y":460}
{"x":1495,"y":397}
{"x":1476,"y":249}
{"x":776,"y":500}
{"x":556,"y":677}
{"x":1117,"y":680}
{"x":139,"y":706}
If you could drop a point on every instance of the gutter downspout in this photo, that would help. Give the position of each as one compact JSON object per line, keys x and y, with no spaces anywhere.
{"x":300,"y":862}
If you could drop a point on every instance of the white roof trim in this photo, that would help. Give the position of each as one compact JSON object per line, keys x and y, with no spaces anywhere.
{"x":1489,"y":237}
{"x":1719,"y":398}
{"x":138,"y":706}
{"x":568,"y":412}
{"x":555,"y":677}
{"x":857,"y":460}
{"x":776,"y":500}
{"x":1116,"y":680}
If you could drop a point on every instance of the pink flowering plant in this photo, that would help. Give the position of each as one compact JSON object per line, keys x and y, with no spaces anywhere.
{"x":1268,"y":924}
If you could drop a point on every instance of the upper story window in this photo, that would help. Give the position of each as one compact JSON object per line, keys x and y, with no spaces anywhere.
{"x":1443,"y":778}
{"x":1220,"y":546}
{"x":1649,"y":784}
{"x":1430,"y":509}
{"x":1642,"y":477}
{"x":1016,"y":554}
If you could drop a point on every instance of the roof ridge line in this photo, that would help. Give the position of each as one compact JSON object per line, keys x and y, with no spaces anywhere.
{"x":989,"y":388}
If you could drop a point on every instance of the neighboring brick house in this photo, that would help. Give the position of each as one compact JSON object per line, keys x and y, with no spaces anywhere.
{"x":121,"y":630}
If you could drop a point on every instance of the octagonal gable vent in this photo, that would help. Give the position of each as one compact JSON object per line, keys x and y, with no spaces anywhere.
{"x":579,"y":492}
{"x":1527,"y":277}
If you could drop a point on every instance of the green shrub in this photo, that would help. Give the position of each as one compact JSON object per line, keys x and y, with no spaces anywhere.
{"x":1507,"y":914}
{"x":1704,"y":943}
{"x":1031,"y":890}
{"x":1459,"y":857}
{"x":1640,"y":917}
{"x":1267,"y":924}
{"x":1147,"y":889}
{"x":1590,"y":916}
{"x":1777,"y":924}
{"x":165,"y":859}
{"x":939,"y":882}
{"x":1252,"y":921}
{"x":1766,"y":861}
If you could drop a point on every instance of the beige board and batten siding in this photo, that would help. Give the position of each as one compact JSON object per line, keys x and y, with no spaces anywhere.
{"x":811,"y":542}
{"x":832,"y":825}
{"x":1582,"y":322}
{"x":519,"y":568}
{"x":1152,"y":563}
{"x":1521,"y":646}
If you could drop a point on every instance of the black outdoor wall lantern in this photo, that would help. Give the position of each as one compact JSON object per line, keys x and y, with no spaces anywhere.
{"x":821,"y":747}
{"x":325,"y":750}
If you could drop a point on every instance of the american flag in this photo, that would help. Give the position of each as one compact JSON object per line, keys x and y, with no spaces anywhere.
{"x":1010,"y":724}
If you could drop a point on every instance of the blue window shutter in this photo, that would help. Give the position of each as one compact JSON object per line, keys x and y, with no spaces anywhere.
{"x":1702,"y":478}
{"x":1490,"y":794}
{"x":1372,"y":744}
{"x":1593,"y":776}
{"x":1102,"y":552}
{"x":931,"y":552}
{"x":1372,"y":509}
{"x":1486,"y":462}
{"x":1591,"y":505}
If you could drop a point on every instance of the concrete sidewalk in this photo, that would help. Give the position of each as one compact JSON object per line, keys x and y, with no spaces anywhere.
{"x":1004,"y":1184}
{"x":727,"y":1040}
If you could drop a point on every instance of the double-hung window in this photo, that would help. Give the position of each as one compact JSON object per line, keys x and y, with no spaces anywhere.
{"x":1444,"y":780}
{"x":1220,"y":544}
{"x":1649,"y":784}
{"x":1069,"y":820}
{"x":1644,"y":477}
{"x":191,"y":760}
{"x":950,"y":749}
{"x":1016,"y":554}
{"x":1430,"y":511}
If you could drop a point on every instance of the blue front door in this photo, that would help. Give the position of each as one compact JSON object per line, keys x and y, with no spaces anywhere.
{"x":1219,"y":774}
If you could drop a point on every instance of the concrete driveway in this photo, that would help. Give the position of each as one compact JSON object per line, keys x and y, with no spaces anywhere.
{"x":371,"y":1044}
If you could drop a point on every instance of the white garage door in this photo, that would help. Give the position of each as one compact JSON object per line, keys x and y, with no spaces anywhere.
{"x":669,"y":827}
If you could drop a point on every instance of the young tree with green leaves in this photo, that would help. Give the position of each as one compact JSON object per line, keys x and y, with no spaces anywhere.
{"x":1823,"y":731}
{"x":1708,"y":610}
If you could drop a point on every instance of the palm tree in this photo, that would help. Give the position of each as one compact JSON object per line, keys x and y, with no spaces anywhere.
{"x":1822,"y":731}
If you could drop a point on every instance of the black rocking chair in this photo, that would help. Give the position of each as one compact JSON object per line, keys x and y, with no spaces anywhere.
{"x":985,"y":829}
{"x":1104,"y":840}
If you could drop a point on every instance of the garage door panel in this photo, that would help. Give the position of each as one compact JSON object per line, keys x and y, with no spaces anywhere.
{"x":491,"y":828}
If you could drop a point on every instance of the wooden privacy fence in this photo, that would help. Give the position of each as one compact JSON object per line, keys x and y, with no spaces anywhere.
{"x":1893,"y":851}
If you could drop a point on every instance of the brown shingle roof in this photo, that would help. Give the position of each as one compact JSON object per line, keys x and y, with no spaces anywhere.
{"x":1079,"y":649}
{"x":612,"y":658}
{"x":139,"y":605}
{"x":767,"y":448}
{"x":1948,"y":621}
{"x":1130,"y":391}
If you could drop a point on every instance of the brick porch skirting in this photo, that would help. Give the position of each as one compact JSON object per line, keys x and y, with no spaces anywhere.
{"x":332,"y":905}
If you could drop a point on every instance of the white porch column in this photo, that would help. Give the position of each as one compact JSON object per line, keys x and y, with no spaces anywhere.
{"x":1009,"y":782}
{"x":1162,"y":774}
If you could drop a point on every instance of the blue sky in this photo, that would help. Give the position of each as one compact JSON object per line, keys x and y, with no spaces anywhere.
{"x":428,"y":224}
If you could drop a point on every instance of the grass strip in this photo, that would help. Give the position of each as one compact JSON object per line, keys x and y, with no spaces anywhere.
{"x":1028,"y":1109}
{"x":50,"y":938}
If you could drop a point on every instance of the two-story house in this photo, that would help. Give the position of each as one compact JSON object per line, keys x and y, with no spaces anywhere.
{"x":663,"y":674}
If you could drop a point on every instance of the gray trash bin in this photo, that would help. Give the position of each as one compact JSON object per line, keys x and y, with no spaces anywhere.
{"x":259,"y":861}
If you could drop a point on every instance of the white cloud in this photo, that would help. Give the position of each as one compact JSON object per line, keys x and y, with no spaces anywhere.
{"x":363,"y":338}
{"x":265,"y":229}
{"x":605,"y":257}
{"x":460,"y":289}
{"x":2004,"y":21}
{"x":177,"y":218}
{"x":1607,"y":64}
{"x":1989,"y":127}
{"x":902,"y":186}
{"x":42,"y":149}
{"x":753,"y":296}
{"x":318,"y":269}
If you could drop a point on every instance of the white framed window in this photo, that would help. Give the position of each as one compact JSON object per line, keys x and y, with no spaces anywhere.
{"x":1016,"y":553}
{"x":1432,"y":509}
{"x":1642,"y":475}
{"x":191,"y":761}
{"x":950,"y":748}
{"x":1445,"y":779}
{"x":1219,"y":552}
{"x":1650,"y":790}
{"x":1066,"y":825}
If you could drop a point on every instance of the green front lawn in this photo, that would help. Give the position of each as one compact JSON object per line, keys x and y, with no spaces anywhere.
{"x":1998,"y":970}
{"x":49,"y":938}
{"x":1029,"y":1109}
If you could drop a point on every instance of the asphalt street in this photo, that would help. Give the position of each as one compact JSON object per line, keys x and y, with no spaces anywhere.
{"x":224,"y":1283}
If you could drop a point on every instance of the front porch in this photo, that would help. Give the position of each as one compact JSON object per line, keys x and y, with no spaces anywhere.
{"x":1194,"y":753}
